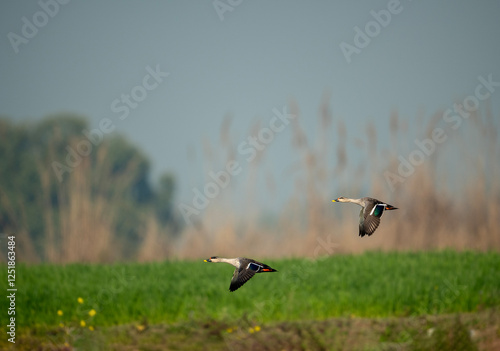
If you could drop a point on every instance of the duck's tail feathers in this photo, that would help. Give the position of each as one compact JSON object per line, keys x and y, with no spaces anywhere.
{"x":268,"y":269}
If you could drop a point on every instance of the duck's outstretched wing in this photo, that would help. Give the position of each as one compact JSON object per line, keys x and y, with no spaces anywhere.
{"x":248,"y":268}
{"x":369,"y":218}
{"x":240,"y":277}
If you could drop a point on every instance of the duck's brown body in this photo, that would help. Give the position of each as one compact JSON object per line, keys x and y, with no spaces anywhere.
{"x":371,"y":211}
{"x":245,"y":269}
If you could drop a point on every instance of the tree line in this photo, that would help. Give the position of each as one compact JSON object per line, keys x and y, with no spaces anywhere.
{"x":54,"y":173}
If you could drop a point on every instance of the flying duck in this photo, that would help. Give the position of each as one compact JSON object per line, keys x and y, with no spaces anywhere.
{"x":245,"y":269}
{"x":371,"y":211}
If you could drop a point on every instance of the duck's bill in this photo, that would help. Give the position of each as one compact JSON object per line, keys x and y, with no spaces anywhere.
{"x":207,"y":260}
{"x":336,"y":200}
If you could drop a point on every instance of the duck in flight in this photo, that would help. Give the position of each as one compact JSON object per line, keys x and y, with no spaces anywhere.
{"x":371,"y":211}
{"x":245,"y":269}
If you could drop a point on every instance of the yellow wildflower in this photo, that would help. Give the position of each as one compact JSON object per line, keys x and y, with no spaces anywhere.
{"x":59,"y":313}
{"x":251,"y":330}
{"x":80,"y":300}
{"x":61,"y":325}
{"x":257,"y":328}
{"x":82,"y":324}
{"x":229,"y":330}
{"x":140,"y":327}
{"x":92,"y":313}
{"x":91,"y":328}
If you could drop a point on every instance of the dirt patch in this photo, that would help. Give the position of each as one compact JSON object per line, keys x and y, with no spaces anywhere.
{"x":468,"y":331}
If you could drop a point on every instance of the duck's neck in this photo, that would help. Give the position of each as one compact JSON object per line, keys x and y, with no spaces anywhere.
{"x":356,"y":201}
{"x":232,"y":261}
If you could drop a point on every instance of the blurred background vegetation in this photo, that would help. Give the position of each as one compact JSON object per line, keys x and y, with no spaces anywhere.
{"x":100,"y":209}
{"x":106,"y":207}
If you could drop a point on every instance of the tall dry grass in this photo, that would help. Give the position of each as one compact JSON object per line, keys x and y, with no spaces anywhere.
{"x":80,"y":222}
{"x":451,"y":200}
{"x":80,"y":228}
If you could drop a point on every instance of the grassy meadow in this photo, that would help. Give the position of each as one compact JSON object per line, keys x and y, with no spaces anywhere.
{"x":178,"y":293}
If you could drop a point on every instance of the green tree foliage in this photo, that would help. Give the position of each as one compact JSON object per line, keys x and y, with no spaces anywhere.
{"x":164,"y":198}
{"x":19,"y":180}
{"x":46,"y":166}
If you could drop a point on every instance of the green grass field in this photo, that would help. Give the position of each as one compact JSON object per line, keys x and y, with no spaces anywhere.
{"x":368,"y":285}
{"x":178,"y":293}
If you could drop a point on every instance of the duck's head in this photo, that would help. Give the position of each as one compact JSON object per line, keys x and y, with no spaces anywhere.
{"x":340,"y":199}
{"x":211,"y":258}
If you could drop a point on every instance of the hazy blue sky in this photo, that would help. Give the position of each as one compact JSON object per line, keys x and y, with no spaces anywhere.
{"x":259,"y":57}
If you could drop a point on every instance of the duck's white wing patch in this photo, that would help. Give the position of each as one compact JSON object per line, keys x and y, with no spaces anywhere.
{"x":254,"y":266}
{"x":378,"y":208}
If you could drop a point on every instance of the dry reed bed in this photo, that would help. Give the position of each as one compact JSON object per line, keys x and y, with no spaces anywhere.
{"x":452,"y":200}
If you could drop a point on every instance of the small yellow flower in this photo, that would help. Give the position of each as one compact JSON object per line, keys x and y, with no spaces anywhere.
{"x":140,"y":327}
{"x":257,"y":328}
{"x":59,"y":313}
{"x":82,"y":324}
{"x":66,"y":344}
{"x":61,"y":325}
{"x":229,"y":330}
{"x":91,"y":328}
{"x":92,"y":313}
{"x":251,"y":330}
{"x":80,"y":300}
